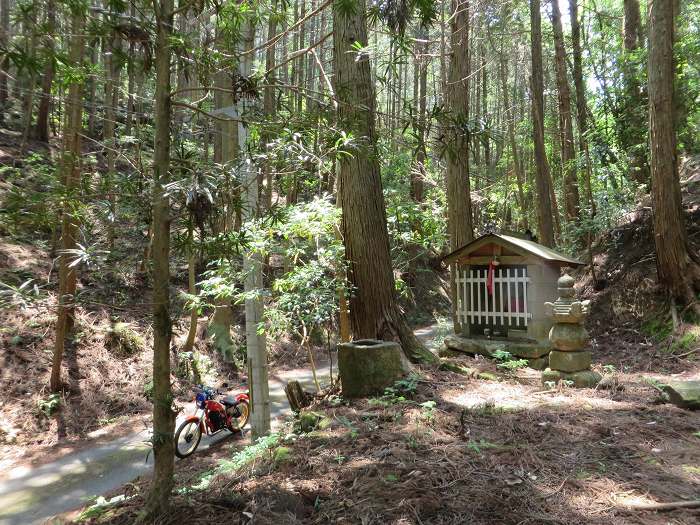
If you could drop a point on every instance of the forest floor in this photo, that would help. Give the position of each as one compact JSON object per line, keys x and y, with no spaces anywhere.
{"x":443,"y":448}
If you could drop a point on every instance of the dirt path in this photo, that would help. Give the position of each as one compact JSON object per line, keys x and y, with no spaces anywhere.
{"x":31,"y":495}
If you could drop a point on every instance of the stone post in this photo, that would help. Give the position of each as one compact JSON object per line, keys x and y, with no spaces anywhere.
{"x":569,"y":360}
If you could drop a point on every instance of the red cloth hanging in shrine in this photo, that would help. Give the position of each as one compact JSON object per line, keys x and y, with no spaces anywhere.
{"x":489,"y":278}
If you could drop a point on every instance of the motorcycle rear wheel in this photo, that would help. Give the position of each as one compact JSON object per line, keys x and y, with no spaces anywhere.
{"x":191,"y":433}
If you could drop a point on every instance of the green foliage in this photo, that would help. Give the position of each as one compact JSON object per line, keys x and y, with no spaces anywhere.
{"x":124,"y":340}
{"x":31,"y":198}
{"x":262,"y":447}
{"x":658,"y":329}
{"x":101,"y":506}
{"x":482,"y":444}
{"x":50,"y":405}
{"x":507,"y":362}
{"x":148,"y":389}
{"x":282,"y":455}
{"x":405,"y":388}
{"x":687,"y":341}
{"x":401,"y":391}
{"x":428,"y":411}
{"x":18,"y":296}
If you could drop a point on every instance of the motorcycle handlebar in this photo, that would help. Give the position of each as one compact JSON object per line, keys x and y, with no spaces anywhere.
{"x":208,"y":390}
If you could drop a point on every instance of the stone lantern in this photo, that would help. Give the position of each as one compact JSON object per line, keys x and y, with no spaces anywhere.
{"x":569,"y":360}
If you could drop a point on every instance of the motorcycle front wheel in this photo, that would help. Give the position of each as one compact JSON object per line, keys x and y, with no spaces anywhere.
{"x":187,"y":438}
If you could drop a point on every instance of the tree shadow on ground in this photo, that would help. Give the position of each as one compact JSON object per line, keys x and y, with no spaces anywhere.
{"x":404,"y":462}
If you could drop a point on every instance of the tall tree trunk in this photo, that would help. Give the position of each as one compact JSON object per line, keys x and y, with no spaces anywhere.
{"x":581,"y":106}
{"x":32,"y":36}
{"x":566,"y":127}
{"x":543,"y":179}
{"x":131,"y":83}
{"x":41,"y":131}
{"x":70,"y":177}
{"x":256,"y":345}
{"x":158,"y":499}
{"x":632,"y":121}
{"x":676,"y":270}
{"x":92,"y":93}
{"x":373,"y":309}
{"x":225,"y":153}
{"x":459,"y":204}
{"x":4,"y":44}
{"x":269,"y":102}
{"x":112,"y":70}
{"x":421,"y":96}
{"x":510,"y":117}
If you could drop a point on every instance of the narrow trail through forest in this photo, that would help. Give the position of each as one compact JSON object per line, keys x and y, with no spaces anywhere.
{"x":30,"y":495}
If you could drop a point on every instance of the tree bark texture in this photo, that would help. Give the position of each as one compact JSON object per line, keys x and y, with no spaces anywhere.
{"x":676,"y":270}
{"x":256,"y":343}
{"x":543,"y":179}
{"x":632,"y":120}
{"x":41,"y":130}
{"x":566,"y":126}
{"x":581,"y":106}
{"x":4,"y":42}
{"x":459,"y":205}
{"x":163,"y":414}
{"x":70,"y":177}
{"x":373,"y":310}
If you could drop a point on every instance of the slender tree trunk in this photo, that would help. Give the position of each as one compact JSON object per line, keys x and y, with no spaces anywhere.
{"x":543,"y":178}
{"x":566,"y":127}
{"x":632,"y":121}
{"x":373,"y":309}
{"x":445,"y":7}
{"x":112,"y":69}
{"x":192,"y":289}
{"x":269,"y":102}
{"x":92,"y":93}
{"x":158,"y":499}
{"x":510,"y":123}
{"x":32,"y":37}
{"x":676,"y":270}
{"x":459,"y":205}
{"x":421,"y":96}
{"x":41,"y":131}
{"x":131,"y":83}
{"x":484,"y":110}
{"x":581,"y":106}
{"x":5,"y":36}
{"x":256,"y":345}
{"x":70,"y":177}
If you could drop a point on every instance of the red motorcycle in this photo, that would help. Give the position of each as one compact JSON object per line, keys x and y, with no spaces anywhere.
{"x":230,"y":413}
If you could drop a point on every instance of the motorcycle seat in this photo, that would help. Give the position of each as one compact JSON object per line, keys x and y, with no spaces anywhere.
{"x":229,"y":401}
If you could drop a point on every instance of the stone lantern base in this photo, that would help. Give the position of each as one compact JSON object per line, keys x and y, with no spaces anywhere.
{"x":582,"y":379}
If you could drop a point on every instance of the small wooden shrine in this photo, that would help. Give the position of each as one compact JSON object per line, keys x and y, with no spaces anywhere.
{"x":502,"y":283}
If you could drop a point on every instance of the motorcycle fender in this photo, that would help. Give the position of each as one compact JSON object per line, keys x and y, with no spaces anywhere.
{"x":242,"y":397}
{"x":195,"y":419}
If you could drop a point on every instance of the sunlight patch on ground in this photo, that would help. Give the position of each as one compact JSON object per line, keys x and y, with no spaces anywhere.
{"x":516,"y":397}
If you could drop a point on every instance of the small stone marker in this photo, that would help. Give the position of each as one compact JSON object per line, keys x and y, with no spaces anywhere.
{"x":685,"y":394}
{"x":568,"y":361}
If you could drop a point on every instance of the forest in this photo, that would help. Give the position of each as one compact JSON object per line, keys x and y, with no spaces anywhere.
{"x":349,"y":261}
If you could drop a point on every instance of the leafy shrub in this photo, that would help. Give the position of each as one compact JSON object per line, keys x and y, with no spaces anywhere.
{"x":49,"y":405}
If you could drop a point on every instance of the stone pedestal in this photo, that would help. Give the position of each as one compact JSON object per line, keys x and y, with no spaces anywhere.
{"x":367,"y":366}
{"x":569,"y":360}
